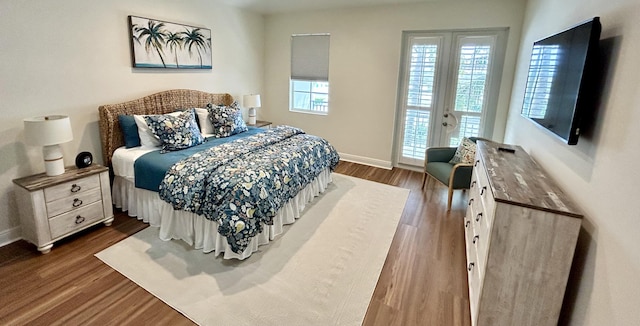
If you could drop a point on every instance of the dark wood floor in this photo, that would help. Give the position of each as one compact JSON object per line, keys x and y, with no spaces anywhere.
{"x":423,"y":281}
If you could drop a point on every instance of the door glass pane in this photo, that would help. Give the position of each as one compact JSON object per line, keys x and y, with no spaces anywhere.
{"x":421,"y":75}
{"x":469,"y":126}
{"x":472,"y":77}
{"x":415,"y":134}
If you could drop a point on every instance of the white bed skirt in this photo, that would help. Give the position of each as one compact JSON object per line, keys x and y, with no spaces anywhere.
{"x":198,"y":231}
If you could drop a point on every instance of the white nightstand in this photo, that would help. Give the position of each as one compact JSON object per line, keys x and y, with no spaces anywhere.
{"x":52,"y":208}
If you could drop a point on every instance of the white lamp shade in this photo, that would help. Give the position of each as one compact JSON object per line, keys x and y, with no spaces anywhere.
{"x":48,"y":130}
{"x":251,"y":101}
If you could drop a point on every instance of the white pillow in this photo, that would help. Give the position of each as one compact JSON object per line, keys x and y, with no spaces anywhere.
{"x":206,"y":128}
{"x":147,"y":138}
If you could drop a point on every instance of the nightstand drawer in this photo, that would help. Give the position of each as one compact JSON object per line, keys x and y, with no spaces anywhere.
{"x":75,"y":220}
{"x":71,"y":188}
{"x":79,"y":200}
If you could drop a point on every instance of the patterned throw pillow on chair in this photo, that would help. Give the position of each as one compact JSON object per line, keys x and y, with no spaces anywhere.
{"x":175,"y":132}
{"x":465,"y":153}
{"x":226,"y":120}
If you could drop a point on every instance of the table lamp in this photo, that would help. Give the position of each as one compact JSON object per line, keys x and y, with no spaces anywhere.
{"x":49,"y":131}
{"x":252,"y":102}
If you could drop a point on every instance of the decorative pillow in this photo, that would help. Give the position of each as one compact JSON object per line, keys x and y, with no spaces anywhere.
{"x":226,"y":120}
{"x":175,"y":132}
{"x":206,"y":128}
{"x":465,"y":153}
{"x":129,"y":130}
{"x":147,"y":138}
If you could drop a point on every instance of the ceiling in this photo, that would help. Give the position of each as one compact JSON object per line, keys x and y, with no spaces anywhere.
{"x":278,"y":6}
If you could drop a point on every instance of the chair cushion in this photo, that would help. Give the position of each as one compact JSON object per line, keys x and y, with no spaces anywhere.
{"x":465,"y":153}
{"x":440,"y":171}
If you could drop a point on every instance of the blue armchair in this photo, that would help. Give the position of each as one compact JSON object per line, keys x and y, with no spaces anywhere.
{"x":454,"y":176}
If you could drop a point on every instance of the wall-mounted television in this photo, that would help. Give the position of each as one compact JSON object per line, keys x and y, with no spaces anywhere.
{"x":560,"y":89}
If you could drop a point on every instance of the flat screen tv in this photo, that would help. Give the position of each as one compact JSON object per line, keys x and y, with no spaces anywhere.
{"x":560,"y":89}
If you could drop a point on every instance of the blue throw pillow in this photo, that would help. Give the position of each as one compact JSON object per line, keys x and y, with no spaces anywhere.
{"x":129,"y":130}
{"x":175,"y":132}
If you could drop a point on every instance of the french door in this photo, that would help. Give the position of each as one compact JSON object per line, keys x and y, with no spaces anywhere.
{"x":449,"y":84}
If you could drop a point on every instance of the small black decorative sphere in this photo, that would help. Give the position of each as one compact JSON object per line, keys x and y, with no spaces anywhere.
{"x":84,"y":159}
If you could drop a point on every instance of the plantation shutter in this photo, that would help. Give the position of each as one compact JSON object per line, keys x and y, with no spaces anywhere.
{"x":310,"y":57}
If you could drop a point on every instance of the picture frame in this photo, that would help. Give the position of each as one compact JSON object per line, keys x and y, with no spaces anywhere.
{"x":160,"y":44}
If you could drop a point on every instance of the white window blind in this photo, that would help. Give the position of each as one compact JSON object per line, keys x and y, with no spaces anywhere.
{"x":310,"y":57}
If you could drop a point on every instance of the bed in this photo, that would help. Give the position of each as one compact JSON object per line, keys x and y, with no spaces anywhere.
{"x":253,"y":169}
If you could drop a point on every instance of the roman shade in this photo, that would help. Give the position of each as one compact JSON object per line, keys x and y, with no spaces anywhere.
{"x":310,"y":57}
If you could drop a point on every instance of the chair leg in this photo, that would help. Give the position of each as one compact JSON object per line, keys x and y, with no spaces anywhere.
{"x":424,"y":179}
{"x":449,"y":199}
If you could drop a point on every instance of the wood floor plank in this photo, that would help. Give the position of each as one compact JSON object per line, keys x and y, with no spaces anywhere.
{"x":423,"y":280}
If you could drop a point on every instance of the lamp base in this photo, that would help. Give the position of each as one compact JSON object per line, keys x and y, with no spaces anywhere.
{"x":252,"y":116}
{"x":53,"y":161}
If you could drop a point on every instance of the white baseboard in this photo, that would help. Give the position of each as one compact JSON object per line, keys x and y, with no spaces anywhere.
{"x":10,"y":235}
{"x":366,"y":161}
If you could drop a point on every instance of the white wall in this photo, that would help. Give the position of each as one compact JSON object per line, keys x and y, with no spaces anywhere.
{"x":364,"y":62}
{"x":601,"y":172}
{"x":71,"y":56}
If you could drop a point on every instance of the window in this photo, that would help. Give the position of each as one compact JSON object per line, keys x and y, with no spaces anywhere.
{"x":309,"y":87}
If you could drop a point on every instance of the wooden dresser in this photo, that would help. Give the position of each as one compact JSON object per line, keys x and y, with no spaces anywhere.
{"x":53,"y":207}
{"x":520,"y":234}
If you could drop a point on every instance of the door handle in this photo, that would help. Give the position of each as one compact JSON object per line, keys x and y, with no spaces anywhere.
{"x":445,"y":124}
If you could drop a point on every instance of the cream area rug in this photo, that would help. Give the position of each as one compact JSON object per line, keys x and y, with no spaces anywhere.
{"x":321,"y":271}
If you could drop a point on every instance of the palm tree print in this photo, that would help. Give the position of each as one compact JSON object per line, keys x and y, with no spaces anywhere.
{"x":154,"y":36}
{"x":150,"y":39}
{"x":175,"y":41}
{"x":195,"y":38}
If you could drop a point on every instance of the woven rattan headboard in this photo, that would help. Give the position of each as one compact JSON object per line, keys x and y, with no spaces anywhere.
{"x":158,"y":103}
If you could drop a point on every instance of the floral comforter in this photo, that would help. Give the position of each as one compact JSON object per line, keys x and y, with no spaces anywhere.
{"x":242,"y":184}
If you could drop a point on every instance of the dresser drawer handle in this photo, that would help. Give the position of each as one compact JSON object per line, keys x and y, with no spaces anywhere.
{"x":473,"y":183}
{"x":466,"y":224}
{"x":475,"y":239}
{"x":470,"y":267}
{"x":79,"y":219}
{"x":478,"y":217}
{"x":470,"y":201}
{"x":476,"y":164}
{"x":75,"y":188}
{"x":76,"y":202}
{"x":482,"y":191}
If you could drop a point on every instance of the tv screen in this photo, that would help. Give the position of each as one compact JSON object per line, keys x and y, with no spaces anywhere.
{"x":561,"y":79}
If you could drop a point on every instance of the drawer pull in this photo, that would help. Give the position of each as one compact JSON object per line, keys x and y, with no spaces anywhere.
{"x":478,"y":217}
{"x":470,"y":201}
{"x":75,"y":188}
{"x":475,"y":239}
{"x":79,"y":219}
{"x":466,"y":224}
{"x":470,"y":267}
{"x":476,"y":164}
{"x":473,"y":183}
{"x":76,"y":202}
{"x":482,"y":191}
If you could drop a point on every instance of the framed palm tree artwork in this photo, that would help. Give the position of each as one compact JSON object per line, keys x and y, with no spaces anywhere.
{"x":159,"y":44}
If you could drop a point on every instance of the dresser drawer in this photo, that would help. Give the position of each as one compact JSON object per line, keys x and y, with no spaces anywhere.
{"x":79,"y":200}
{"x":71,"y":188}
{"x":484,"y":189}
{"x":75,"y":220}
